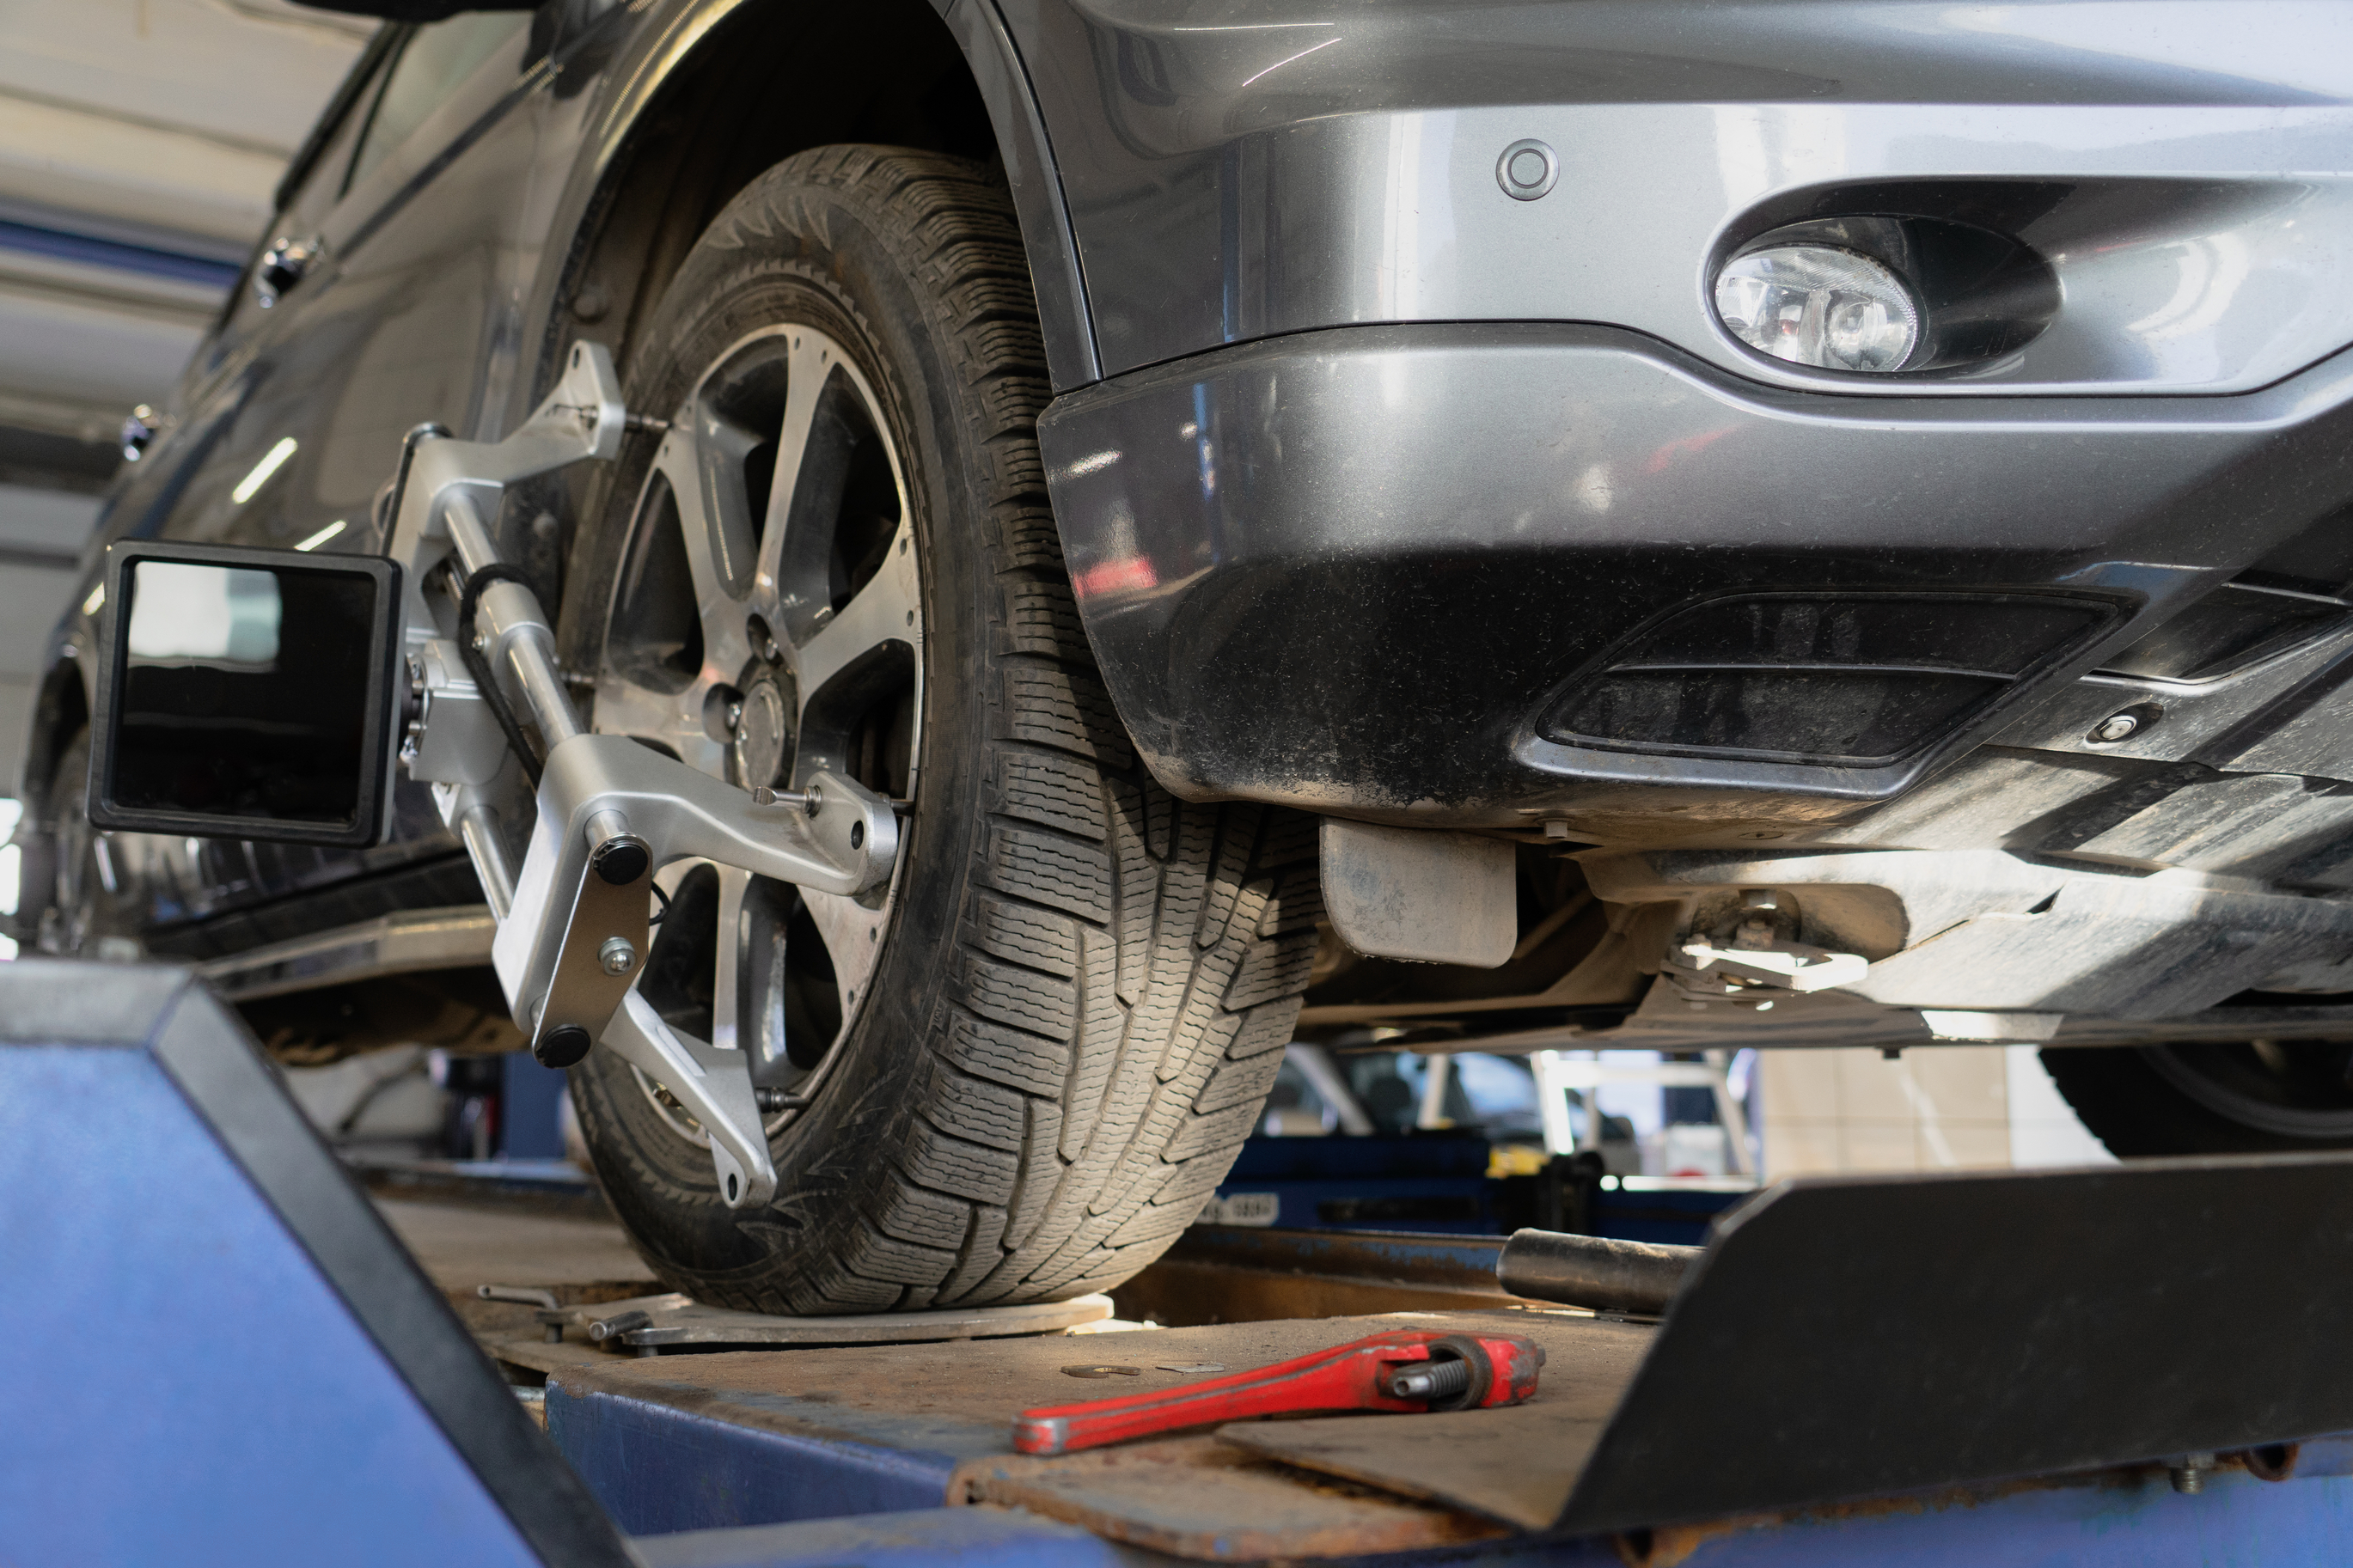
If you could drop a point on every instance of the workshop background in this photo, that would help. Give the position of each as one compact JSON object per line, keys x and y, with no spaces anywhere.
{"x":139,"y":141}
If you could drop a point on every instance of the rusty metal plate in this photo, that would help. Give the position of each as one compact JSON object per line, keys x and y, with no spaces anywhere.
{"x":1517,"y":1464}
{"x":1231,"y":1274}
{"x":947,"y":1404}
{"x":1198,"y":1497}
{"x":958,"y":1399}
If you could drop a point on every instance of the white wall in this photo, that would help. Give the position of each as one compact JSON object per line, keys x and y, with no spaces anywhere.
{"x":1935,"y":1108}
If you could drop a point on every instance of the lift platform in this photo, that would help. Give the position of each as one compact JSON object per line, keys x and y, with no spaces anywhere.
{"x":238,"y":1363}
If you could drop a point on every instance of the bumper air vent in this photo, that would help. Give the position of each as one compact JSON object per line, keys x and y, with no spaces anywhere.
{"x":2235,"y":626}
{"x":1837,"y":679}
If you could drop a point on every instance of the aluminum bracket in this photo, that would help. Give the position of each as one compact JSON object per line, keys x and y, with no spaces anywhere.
{"x":573,"y":934}
{"x":712,"y":1086}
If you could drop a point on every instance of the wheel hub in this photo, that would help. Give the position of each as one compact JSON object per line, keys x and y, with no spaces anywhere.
{"x":764,"y":734}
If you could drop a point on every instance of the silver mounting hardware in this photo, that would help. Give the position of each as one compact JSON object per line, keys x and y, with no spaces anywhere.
{"x":457,"y":737}
{"x":716,"y":1089}
{"x":573,"y":924}
{"x":1761,"y":971}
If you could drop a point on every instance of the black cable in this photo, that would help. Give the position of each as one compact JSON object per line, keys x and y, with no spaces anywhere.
{"x":662,"y":897}
{"x":478,"y":663}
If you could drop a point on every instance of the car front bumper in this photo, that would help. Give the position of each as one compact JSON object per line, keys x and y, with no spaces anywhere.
{"x":1357,"y":570}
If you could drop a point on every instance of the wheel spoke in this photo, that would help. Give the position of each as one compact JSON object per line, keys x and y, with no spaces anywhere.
{"x":715,"y":518}
{"x":783,"y":587}
{"x":885,"y":610}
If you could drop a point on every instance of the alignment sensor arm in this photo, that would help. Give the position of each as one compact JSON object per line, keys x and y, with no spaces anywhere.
{"x":608,"y":813}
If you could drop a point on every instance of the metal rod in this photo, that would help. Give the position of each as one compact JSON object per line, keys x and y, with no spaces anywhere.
{"x":1593,"y":1270}
{"x":468,"y":533}
{"x":1436,"y":1070}
{"x":1552,"y":1105}
{"x":530,"y":648}
{"x":1314,"y":1063}
{"x":515,"y":625}
{"x":479,"y":828}
{"x":1728,"y":1111}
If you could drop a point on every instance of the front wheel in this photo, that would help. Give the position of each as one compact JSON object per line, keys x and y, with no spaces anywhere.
{"x":2248,"y":1097}
{"x":1014,"y":1073}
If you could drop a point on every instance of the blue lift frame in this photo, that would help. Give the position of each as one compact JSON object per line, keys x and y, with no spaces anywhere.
{"x":225,"y":1357}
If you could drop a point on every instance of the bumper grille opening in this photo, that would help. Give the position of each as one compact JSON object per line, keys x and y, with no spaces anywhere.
{"x":1847,"y":679}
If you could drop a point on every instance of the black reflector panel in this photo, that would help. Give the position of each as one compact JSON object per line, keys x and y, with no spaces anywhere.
{"x":1849,"y":680}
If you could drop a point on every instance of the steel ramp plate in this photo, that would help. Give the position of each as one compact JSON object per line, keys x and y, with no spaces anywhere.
{"x":680,"y":1320}
{"x":1849,"y":1338}
{"x":1517,"y":1464}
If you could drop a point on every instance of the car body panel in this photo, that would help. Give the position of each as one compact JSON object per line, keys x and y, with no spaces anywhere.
{"x":1363,"y":465}
{"x":1237,"y":173}
{"x":1445,"y":524}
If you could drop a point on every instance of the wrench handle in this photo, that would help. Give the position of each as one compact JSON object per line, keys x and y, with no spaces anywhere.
{"x":1352,"y":1376}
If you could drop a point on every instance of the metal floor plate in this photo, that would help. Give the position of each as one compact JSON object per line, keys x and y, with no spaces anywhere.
{"x":681,"y":1321}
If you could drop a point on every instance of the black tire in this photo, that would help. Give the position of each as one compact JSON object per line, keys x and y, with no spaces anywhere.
{"x":62,"y":880}
{"x":2243,"y":1097}
{"x":1085,"y":985}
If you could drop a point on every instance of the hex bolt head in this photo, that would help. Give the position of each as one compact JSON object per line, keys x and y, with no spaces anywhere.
{"x":616,"y":956}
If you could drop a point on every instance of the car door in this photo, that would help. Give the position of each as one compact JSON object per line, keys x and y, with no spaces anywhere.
{"x":394,"y":269}
{"x":391,"y":312}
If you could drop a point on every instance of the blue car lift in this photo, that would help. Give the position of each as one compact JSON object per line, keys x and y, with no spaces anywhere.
{"x":224,"y":1356}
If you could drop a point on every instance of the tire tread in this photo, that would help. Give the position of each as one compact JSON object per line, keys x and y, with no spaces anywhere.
{"x":1125,"y":963}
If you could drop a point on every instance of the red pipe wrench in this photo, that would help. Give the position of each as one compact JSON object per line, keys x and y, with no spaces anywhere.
{"x":1405,"y":1370}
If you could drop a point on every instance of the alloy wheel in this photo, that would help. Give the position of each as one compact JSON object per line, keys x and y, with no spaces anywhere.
{"x":767,"y":624}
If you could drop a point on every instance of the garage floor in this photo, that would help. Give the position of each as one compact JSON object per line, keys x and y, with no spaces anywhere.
{"x":464,"y":1247}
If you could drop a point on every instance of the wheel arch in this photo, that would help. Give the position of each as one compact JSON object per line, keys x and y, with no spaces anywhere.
{"x":696,"y":105}
{"x":61,"y":707}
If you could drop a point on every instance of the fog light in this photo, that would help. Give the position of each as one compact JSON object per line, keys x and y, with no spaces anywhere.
{"x":1817,"y":305}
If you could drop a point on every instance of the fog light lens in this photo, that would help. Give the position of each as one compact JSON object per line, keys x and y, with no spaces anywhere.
{"x":1814,"y":304}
